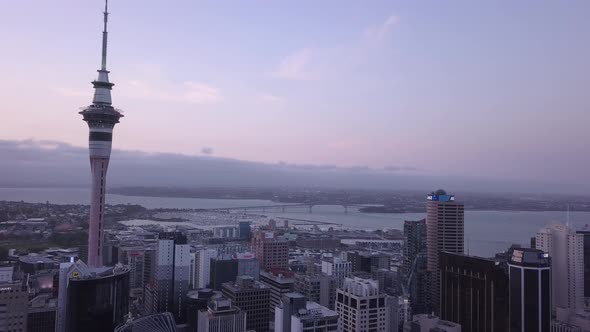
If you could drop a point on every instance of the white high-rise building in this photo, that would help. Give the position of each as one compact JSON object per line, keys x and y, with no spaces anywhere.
{"x":566,"y":249}
{"x":338,"y":268}
{"x":203,"y":267}
{"x":362,"y":307}
{"x":172,"y":274}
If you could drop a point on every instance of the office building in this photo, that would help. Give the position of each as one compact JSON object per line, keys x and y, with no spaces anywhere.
{"x":362,"y":307}
{"x":149,"y":265}
{"x":365,"y":261}
{"x":197,"y":300}
{"x":338,"y":268}
{"x":223,"y":270}
{"x":430,"y":323}
{"x":160,"y":322}
{"x":221,"y":315}
{"x":444,"y":232}
{"x":248,"y":265}
{"x":252,"y":297}
{"x":14,"y":300}
{"x":290,"y":304}
{"x":312,"y":318}
{"x":41,"y":314}
{"x":226,"y":232}
{"x":414,"y":244}
{"x":585,"y":232}
{"x":172,"y":274}
{"x":271,"y":250}
{"x":280,"y":283}
{"x":566,"y":249}
{"x":245,"y":230}
{"x":135,"y":261}
{"x":530,"y":290}
{"x":91,"y":299}
{"x":203,"y":267}
{"x":101,"y":117}
{"x":319,"y":288}
{"x":474,"y":293}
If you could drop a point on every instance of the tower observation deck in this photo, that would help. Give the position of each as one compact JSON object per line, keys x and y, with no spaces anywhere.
{"x":101,"y":117}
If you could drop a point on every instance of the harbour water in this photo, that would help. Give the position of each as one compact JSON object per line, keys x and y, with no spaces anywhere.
{"x":486,"y":232}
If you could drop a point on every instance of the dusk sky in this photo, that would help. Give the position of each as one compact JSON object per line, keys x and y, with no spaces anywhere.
{"x":496,"y":89}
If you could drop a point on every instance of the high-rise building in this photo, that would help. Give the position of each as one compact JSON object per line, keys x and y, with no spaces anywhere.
{"x":248,"y":265}
{"x":223,"y":270}
{"x":197,"y":300}
{"x":419,"y":288}
{"x":429,"y":323}
{"x":365,"y":261}
{"x":530,"y":290}
{"x":280,"y":283}
{"x":290,"y":304}
{"x":160,"y":322}
{"x":311,"y":317}
{"x":338,"y":268}
{"x":585,"y":232}
{"x":244,"y":230}
{"x":91,"y":298}
{"x":14,"y":299}
{"x":41,"y":313}
{"x":203,"y":267}
{"x":101,"y":117}
{"x":414,"y":243}
{"x":566,"y":249}
{"x":271,"y":250}
{"x":319,"y":288}
{"x":221,"y":315}
{"x":362,"y":307}
{"x":252,"y":297}
{"x":172,"y":274}
{"x":444,"y":232}
{"x":474,"y":293}
{"x":135,"y":261}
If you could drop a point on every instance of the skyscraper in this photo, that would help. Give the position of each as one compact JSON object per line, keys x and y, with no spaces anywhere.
{"x":101,"y":117}
{"x":172,"y":274}
{"x":444,"y":232}
{"x":474,"y":293}
{"x":414,"y":242}
{"x":221,"y":315}
{"x":530,"y":290}
{"x":362,"y":307}
{"x":585,"y":231}
{"x":272,"y":251}
{"x":252,"y":297}
{"x":566,"y":249}
{"x":91,"y":298}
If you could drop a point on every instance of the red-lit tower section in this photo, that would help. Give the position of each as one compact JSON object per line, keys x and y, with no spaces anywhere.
{"x":101,"y":117}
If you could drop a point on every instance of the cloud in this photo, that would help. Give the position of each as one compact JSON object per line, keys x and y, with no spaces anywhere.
{"x":295,"y":66}
{"x":189,"y":92}
{"x":379,"y":32}
{"x":271,"y":99}
{"x":400,"y":168}
{"x":207,"y":150}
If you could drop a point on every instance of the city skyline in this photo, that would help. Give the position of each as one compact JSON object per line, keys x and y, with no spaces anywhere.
{"x":463,"y":90}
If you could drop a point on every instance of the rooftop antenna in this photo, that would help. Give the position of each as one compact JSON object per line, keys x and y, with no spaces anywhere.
{"x":105,"y":36}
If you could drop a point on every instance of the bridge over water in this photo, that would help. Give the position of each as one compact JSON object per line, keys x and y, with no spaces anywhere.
{"x":282,"y":207}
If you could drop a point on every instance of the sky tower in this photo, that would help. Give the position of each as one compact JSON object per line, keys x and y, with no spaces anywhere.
{"x":101,"y":117}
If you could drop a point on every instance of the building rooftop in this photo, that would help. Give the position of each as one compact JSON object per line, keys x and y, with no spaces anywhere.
{"x":529,"y":257}
{"x":314,"y":311}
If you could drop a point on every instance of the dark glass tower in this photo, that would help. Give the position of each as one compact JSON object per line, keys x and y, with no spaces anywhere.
{"x":101,"y":117}
{"x":474,"y":293}
{"x":530,"y":290}
{"x":97,"y":300}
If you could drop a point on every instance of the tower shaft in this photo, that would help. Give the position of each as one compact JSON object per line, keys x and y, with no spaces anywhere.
{"x":101,"y":117}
